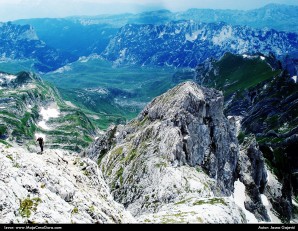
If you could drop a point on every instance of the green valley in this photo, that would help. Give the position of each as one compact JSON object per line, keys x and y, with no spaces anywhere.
{"x":110,"y":94}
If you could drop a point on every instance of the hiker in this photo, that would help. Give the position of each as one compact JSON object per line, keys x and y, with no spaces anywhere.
{"x":41,"y":143}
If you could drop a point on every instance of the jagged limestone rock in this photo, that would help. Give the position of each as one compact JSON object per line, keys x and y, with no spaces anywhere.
{"x":193,"y":210}
{"x":180,"y":147}
{"x":55,"y":187}
{"x":102,"y":145}
{"x":253,"y":174}
{"x":275,"y":193}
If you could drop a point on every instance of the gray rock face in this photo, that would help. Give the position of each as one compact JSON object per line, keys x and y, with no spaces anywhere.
{"x":55,"y":187}
{"x":102,"y":145}
{"x":275,"y":192}
{"x":180,"y":154}
{"x":204,"y":133}
{"x":270,"y":112}
{"x":252,"y":173}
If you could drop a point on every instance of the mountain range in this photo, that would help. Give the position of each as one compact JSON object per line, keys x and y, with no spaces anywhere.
{"x":181,"y":160}
{"x":187,"y":43}
{"x":157,"y":117}
{"x":81,"y":36}
{"x":21,"y":42}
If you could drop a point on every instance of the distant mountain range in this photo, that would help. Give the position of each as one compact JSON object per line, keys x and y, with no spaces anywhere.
{"x":155,"y":38}
{"x":275,"y":16}
{"x":83,"y":35}
{"x":22,"y":42}
{"x":187,"y":43}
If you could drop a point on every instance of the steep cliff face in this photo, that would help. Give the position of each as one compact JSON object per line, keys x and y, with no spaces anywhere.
{"x":176,"y":161}
{"x":253,"y":174}
{"x":271,"y":114}
{"x":264,"y":96}
{"x":56,"y":187}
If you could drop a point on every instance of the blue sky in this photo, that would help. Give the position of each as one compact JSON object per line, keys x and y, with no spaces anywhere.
{"x":16,"y":9}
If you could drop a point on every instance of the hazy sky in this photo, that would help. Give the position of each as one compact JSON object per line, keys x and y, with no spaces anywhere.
{"x":16,"y":9}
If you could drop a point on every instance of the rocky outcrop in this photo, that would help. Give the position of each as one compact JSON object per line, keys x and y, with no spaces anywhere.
{"x":102,"y":145}
{"x":204,"y":136}
{"x":180,"y":154}
{"x":56,"y":187}
{"x":267,"y":104}
{"x":252,"y":173}
{"x":275,"y":192}
{"x":271,"y":114}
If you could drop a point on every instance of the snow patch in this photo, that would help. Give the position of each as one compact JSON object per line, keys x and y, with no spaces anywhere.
{"x":249,"y":56}
{"x":262,"y":58}
{"x":238,"y":124}
{"x":51,"y":112}
{"x":2,"y":107}
{"x":177,"y":31}
{"x":84,"y":59}
{"x":63,"y":69}
{"x":295,"y":78}
{"x":264,"y":200}
{"x":225,"y":34}
{"x":294,"y":203}
{"x":43,"y":125}
{"x":70,"y":104}
{"x":239,"y":198}
{"x":161,"y":34}
{"x":6,"y":77}
{"x":193,"y":36}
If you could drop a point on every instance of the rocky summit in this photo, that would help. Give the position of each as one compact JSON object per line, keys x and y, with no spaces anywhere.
{"x":179,"y":160}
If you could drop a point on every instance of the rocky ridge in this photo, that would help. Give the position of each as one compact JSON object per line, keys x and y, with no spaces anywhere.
{"x":55,"y":187}
{"x":179,"y":161}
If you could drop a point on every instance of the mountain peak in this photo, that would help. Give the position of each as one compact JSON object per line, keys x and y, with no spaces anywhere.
{"x":186,"y":97}
{"x":181,"y":134}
